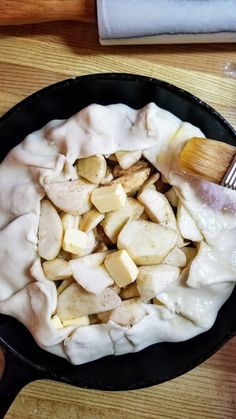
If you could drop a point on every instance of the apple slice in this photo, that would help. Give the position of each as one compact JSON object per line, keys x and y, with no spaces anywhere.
{"x":129,"y":292}
{"x":90,"y":244}
{"x":127,"y":159}
{"x":132,"y":182}
{"x":57,"y":269}
{"x":128,"y":313}
{"x":190,"y":253}
{"x":158,"y":208}
{"x":72,"y":197}
{"x":187,"y":225}
{"x":147,"y":243}
{"x":118,"y":171}
{"x":69,"y":221}
{"x":75,"y":302}
{"x":176,"y":257}
{"x":115,"y":288}
{"x":114,"y":221}
{"x":80,"y":322}
{"x":50,"y":231}
{"x":66,"y":283}
{"x":90,"y":272}
{"x":149,"y":183}
{"x":90,"y":220}
{"x":108,"y":177}
{"x":92,"y":168}
{"x":154,"y":279}
{"x":172,"y":197}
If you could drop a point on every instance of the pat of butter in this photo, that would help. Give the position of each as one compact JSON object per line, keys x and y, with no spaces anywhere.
{"x":56,"y":321}
{"x":90,"y":220}
{"x":75,"y":241}
{"x":69,"y":221}
{"x":109,"y":198}
{"x":121,"y":267}
{"x":79,"y":321}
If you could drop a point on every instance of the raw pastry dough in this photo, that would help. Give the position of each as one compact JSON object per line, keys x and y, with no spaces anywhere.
{"x":47,"y":156}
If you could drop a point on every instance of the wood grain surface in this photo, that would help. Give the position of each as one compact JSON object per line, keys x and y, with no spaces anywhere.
{"x":34,"y":56}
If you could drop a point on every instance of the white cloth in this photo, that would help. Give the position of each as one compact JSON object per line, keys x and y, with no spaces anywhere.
{"x":166,"y":21}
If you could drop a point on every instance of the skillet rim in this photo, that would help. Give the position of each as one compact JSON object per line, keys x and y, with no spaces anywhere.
{"x":121,"y":77}
{"x":179,"y":92}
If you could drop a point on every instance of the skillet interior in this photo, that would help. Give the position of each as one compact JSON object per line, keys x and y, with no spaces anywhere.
{"x":159,"y":362}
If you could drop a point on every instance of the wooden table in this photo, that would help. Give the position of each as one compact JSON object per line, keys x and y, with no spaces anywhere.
{"x":32,"y":57}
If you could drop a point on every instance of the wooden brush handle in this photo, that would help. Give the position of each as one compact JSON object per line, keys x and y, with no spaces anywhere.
{"x":14,"y":12}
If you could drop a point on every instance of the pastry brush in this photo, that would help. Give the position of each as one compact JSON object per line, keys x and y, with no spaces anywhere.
{"x":211,"y":160}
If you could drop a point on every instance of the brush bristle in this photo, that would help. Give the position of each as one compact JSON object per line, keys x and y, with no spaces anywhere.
{"x":207,"y":159}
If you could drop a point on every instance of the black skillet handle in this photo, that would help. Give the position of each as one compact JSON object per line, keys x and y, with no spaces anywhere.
{"x":15,"y":376}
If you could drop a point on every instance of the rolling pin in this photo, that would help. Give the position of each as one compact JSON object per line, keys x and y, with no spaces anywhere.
{"x":134,"y":21}
{"x":14,"y":12}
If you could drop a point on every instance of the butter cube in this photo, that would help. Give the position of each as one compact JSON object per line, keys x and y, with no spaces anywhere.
{"x":109,"y":198}
{"x":56,"y":321}
{"x":79,"y":321}
{"x":121,"y":267}
{"x":69,"y":221}
{"x":90,"y":220}
{"x":75,"y":241}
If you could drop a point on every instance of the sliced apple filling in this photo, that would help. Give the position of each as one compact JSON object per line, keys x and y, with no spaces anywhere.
{"x":111,"y":240}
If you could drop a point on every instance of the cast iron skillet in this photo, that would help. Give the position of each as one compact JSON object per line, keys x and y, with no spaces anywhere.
{"x":25,"y":361}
